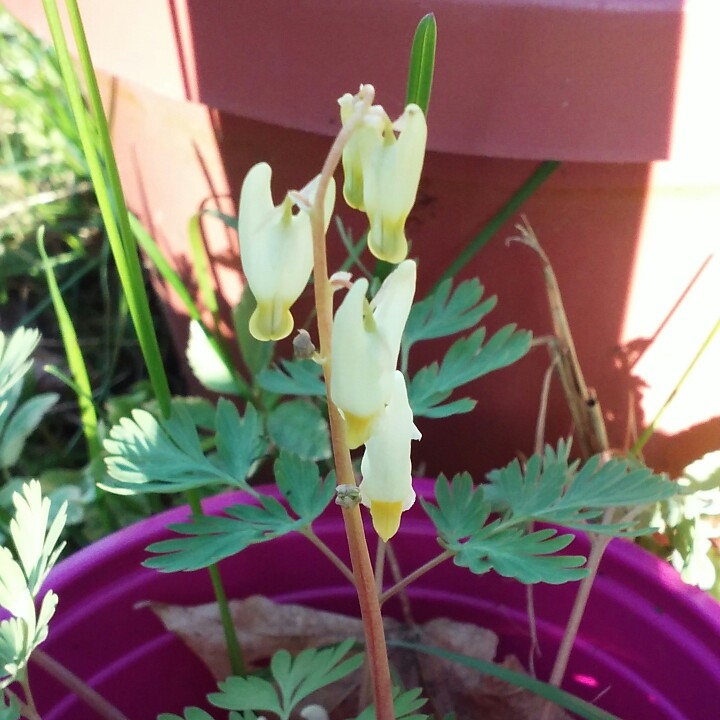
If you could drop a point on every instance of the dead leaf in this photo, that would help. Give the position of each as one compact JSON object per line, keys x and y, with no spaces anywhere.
{"x":263,"y":627}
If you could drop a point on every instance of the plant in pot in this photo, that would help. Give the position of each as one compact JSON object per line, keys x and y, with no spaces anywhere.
{"x":353,"y":374}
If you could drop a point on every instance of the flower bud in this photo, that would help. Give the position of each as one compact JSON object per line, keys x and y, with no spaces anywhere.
{"x":276,"y":249}
{"x":365,"y":347}
{"x":386,"y":487}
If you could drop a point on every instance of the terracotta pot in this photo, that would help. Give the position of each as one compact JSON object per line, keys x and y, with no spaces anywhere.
{"x":620,"y":92}
{"x":649,"y":646}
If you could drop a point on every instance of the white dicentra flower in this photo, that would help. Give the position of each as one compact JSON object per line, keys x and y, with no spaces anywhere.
{"x":276,"y":249}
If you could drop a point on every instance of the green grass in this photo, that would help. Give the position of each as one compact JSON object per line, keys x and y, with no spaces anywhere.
{"x":44,"y":181}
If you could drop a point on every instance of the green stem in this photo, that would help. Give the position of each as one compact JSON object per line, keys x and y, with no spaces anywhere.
{"x":237,"y":662}
{"x":518,"y":199}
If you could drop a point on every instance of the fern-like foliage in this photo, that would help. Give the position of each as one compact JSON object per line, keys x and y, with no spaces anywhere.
{"x":445,"y":313}
{"x":467,"y":359}
{"x":208,"y":539}
{"x":293,"y":377}
{"x":15,"y":356}
{"x":406,"y":703}
{"x":18,"y":420}
{"x":461,"y":518}
{"x":9,"y":708}
{"x":486,"y":528}
{"x":555,"y":490}
{"x":293,"y":680}
{"x":448,"y":312}
{"x":35,"y":539}
{"x":147,"y":455}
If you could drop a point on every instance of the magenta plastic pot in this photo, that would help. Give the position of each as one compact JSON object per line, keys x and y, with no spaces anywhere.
{"x":649,"y":646}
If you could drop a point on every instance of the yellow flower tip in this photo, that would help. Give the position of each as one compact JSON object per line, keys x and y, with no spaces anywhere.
{"x":358,"y":429}
{"x":386,"y":517}
{"x":387,"y":240}
{"x":271,"y":321}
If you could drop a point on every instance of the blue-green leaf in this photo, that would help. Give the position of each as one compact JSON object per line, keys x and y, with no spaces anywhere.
{"x":299,"y":427}
{"x":15,"y":352}
{"x":466,"y":360}
{"x":527,"y":557}
{"x":293,"y":377}
{"x":296,"y":678}
{"x":21,"y":424}
{"x":146,"y":455}
{"x":300,"y":483}
{"x":461,"y":509}
{"x":551,"y":489}
{"x":446,"y":313}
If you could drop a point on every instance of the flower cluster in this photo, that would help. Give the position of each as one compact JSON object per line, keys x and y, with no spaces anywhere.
{"x":382,"y":172}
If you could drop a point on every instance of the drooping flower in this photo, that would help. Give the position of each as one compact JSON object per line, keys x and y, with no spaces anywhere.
{"x":363,"y":142}
{"x":382,"y":173}
{"x":276,"y":249}
{"x":391,"y":180}
{"x":365,"y":347}
{"x":386,"y":486}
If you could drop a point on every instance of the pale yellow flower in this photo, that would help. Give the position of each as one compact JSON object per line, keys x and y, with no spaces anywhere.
{"x":386,"y":487}
{"x":276,"y":249}
{"x":365,"y":346}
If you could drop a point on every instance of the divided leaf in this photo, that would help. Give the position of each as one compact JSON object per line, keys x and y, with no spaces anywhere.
{"x":293,"y":377}
{"x":15,"y":352}
{"x":405,"y":704}
{"x":36,"y":543}
{"x":461,"y":510}
{"x":461,"y":517}
{"x":295,"y":678}
{"x":552,"y":489}
{"x":466,"y":360}
{"x":444,"y":313}
{"x":20,"y":579}
{"x":146,"y":455}
{"x":208,"y":539}
{"x":299,"y":427}
{"x":527,"y":557}
{"x":20,"y":424}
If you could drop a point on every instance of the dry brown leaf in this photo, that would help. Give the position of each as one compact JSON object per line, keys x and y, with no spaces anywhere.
{"x":263,"y":627}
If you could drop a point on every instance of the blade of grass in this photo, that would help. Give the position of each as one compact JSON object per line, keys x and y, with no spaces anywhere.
{"x":559,"y":697}
{"x":95,"y":139}
{"x":422,"y":63}
{"x":523,"y":193}
{"x":171,"y":277}
{"x":201,"y":269}
{"x":93,"y":127}
{"x":76,"y":362}
{"x":648,"y":433}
